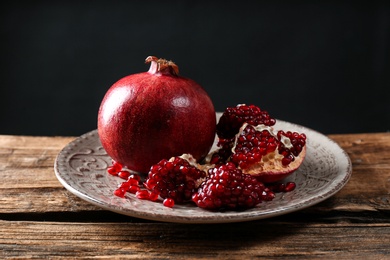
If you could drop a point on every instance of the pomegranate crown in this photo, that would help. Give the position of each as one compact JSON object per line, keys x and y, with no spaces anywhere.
{"x":162,"y":65}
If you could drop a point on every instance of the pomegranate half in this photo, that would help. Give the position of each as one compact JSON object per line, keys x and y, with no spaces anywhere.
{"x":268,"y":155}
{"x":246,"y":137}
{"x":149,"y":116}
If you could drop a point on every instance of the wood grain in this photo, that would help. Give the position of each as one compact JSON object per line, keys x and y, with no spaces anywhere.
{"x":161,"y":240}
{"x":41,"y":219}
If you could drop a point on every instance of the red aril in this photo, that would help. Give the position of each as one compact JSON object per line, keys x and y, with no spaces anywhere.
{"x":153,"y":115}
{"x":169,"y":203}
{"x":142,"y":194}
{"x":115,"y":168}
{"x":124,"y":174}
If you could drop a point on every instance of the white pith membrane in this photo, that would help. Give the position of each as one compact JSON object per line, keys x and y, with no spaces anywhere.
{"x":271,"y":163}
{"x":188,"y":157}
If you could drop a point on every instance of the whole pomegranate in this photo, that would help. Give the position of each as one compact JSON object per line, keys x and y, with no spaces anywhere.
{"x":153,"y":115}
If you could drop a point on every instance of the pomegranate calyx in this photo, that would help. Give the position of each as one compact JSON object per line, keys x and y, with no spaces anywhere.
{"x":162,"y":66}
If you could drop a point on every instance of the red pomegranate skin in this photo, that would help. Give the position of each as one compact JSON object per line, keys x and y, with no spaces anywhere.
{"x":154,"y":115}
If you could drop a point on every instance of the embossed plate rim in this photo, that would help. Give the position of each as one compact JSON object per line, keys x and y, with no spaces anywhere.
{"x":189,"y":213}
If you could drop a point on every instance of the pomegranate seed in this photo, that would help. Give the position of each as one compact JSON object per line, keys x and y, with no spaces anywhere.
{"x":133,"y":189}
{"x":268,"y":195}
{"x":150,"y":184}
{"x":282,"y":187}
{"x":124,"y":185}
{"x":124,"y":175}
{"x":168,"y":202}
{"x":135,"y":177}
{"x":290,"y":186}
{"x":112,"y":170}
{"x":115,"y":168}
{"x":133,"y":182}
{"x":286,"y":161}
{"x":120,"y":192}
{"x":278,"y":187}
{"x":142,"y":194}
{"x":153,"y":196}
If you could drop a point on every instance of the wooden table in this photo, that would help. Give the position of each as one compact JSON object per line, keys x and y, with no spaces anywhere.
{"x":39,"y":218}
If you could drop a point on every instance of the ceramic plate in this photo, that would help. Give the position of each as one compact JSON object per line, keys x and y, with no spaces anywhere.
{"x":81,"y":168}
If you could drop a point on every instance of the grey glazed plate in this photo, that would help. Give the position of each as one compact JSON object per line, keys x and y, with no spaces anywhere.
{"x":81,"y":168}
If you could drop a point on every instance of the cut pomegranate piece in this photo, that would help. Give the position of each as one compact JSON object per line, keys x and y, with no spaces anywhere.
{"x":229,"y":125}
{"x":227,"y":187}
{"x":269,"y":156}
{"x":177,"y":178}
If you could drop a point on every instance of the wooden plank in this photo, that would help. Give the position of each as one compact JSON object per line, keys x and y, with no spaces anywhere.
{"x":366,"y":150}
{"x":179,"y":241}
{"x":29,"y":142}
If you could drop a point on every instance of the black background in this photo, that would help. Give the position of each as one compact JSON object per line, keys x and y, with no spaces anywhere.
{"x":322,"y":64}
